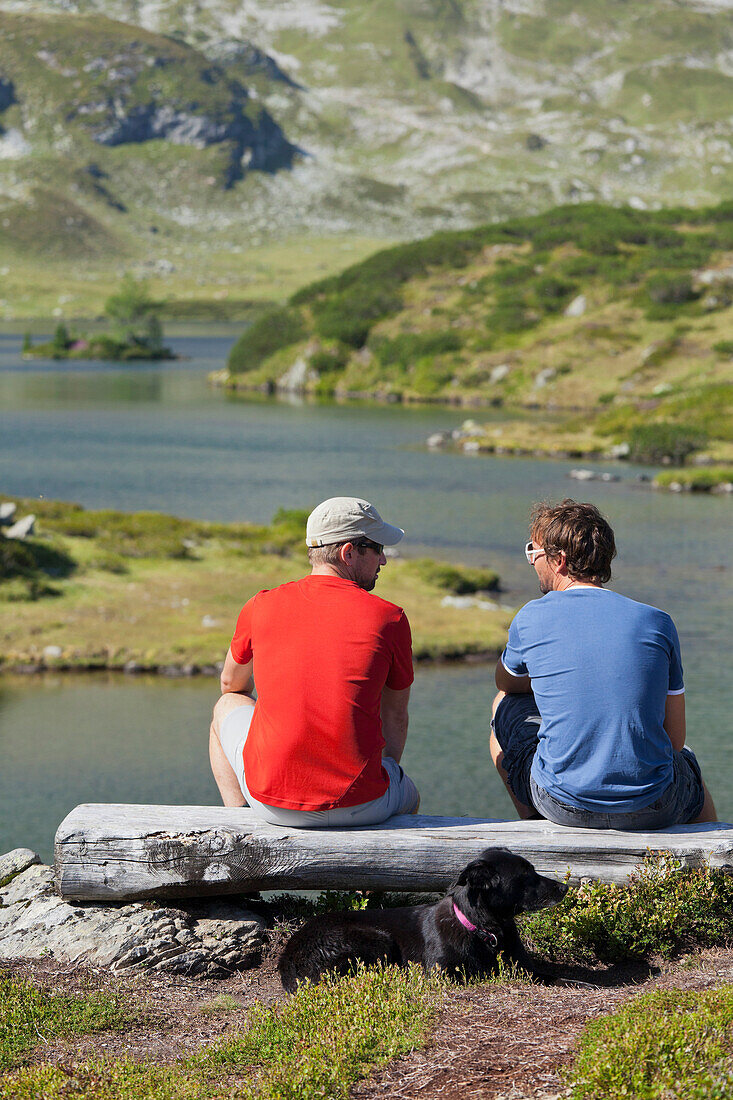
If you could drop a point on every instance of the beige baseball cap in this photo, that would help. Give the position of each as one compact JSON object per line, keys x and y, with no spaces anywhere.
{"x":341,"y":519}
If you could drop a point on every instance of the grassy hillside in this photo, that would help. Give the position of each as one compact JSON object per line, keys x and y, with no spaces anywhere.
{"x":586,"y":309}
{"x":411,"y":117}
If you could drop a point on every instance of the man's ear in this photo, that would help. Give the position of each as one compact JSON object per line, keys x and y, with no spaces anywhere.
{"x":347,"y":552}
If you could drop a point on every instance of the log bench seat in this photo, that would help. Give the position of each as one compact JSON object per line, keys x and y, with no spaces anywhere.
{"x":107,"y":852}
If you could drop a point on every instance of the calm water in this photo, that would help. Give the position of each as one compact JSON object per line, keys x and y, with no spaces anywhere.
{"x":156,"y":437}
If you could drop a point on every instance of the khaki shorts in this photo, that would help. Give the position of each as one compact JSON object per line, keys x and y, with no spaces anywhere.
{"x":401,"y":797}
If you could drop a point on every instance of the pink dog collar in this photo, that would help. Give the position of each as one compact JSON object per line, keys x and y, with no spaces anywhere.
{"x":488,"y":936}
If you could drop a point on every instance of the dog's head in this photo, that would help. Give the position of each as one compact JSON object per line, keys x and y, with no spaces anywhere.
{"x":502,"y":883}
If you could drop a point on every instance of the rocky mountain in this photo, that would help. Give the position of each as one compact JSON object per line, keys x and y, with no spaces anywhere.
{"x":388,"y":119}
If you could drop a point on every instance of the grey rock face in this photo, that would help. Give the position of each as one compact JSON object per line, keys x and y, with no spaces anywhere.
{"x":207,"y":938}
{"x":257,"y":145}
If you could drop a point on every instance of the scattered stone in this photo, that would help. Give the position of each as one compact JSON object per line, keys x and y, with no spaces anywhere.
{"x":22,"y":529}
{"x":583,"y":475}
{"x":203,"y":937}
{"x":7,"y":511}
{"x":52,"y":652}
{"x":208,"y":621}
{"x":577,"y":307}
{"x":499,"y":373}
{"x":471,"y":446}
{"x":610,"y":477}
{"x":723,"y":487}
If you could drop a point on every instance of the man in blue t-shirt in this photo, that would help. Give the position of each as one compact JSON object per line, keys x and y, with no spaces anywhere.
{"x":588,"y":727}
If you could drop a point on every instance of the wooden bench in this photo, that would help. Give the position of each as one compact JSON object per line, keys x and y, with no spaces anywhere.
{"x":126,"y":852}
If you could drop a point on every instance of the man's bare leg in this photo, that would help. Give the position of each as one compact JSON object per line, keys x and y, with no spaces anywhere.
{"x":223,"y":772}
{"x":707,"y":813}
{"x":526,"y":813}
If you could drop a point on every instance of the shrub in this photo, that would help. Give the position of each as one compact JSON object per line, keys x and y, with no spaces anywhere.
{"x":670,"y":289}
{"x":461,"y":580}
{"x":408,"y":347}
{"x":276,"y":329}
{"x":552,"y":293}
{"x":665,"y":908}
{"x":724,"y":347}
{"x":329,"y":361}
{"x":669,"y":1043}
{"x":664,"y":442}
{"x":349,"y":316}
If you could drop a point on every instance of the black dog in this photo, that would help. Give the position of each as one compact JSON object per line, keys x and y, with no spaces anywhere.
{"x":462,"y":933}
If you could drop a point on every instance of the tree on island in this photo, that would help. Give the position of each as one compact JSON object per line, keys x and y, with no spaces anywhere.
{"x":134,"y":316}
{"x":136,"y":331}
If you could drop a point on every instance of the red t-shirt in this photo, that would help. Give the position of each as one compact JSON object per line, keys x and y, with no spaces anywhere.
{"x":323,"y":649}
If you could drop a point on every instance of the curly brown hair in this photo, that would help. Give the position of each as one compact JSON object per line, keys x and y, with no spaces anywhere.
{"x":581,"y":533}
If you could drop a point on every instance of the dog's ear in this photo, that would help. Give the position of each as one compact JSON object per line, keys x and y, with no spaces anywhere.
{"x":479,"y":874}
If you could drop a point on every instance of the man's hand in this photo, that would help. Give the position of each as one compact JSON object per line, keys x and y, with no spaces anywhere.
{"x":236,"y":677}
{"x":512,"y":685}
{"x":394,"y":721}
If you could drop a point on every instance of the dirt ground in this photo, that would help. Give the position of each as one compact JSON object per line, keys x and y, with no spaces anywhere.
{"x":494,"y":1042}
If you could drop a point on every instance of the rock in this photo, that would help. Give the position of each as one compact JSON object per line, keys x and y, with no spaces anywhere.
{"x":22,"y":529}
{"x":462,"y":603}
{"x":12,"y":863}
{"x":577,"y":307}
{"x":619,"y":450}
{"x":208,"y":622}
{"x":7,"y":511}
{"x":583,"y":475}
{"x":295,"y":378}
{"x":723,"y":487}
{"x":610,"y":477}
{"x":52,"y":652}
{"x":438,"y":439}
{"x":206,"y":937}
{"x":471,"y":446}
{"x":544,"y":377}
{"x":498,"y":374}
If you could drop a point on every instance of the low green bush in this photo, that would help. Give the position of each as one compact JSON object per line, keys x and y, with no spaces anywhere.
{"x":349,"y":316}
{"x":329,"y":360}
{"x":404,"y":350}
{"x":29,"y":1015}
{"x":666,"y":1045}
{"x":276,"y":329}
{"x":461,"y":580}
{"x":724,"y":347}
{"x":664,"y":441}
{"x":699,"y":480}
{"x":664,"y":909}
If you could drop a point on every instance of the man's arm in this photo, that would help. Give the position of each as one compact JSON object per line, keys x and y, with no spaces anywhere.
{"x":236,"y":677}
{"x":674,"y":720}
{"x":394,"y":721}
{"x":514,"y":685}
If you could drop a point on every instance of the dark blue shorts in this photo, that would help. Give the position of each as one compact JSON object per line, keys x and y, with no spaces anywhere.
{"x":516,"y":725}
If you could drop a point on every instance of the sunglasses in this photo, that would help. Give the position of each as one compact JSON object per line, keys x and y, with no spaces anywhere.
{"x":367,"y":544}
{"x":530,"y":553}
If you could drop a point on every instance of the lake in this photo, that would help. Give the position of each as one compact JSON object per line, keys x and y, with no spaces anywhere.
{"x":157,"y":437}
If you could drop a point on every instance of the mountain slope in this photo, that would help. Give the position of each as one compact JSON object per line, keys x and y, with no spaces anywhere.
{"x":411,"y":115}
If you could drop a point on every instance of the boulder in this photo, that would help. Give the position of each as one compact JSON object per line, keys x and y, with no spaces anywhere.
{"x":7,"y":512}
{"x":208,"y":937}
{"x":22,"y":528}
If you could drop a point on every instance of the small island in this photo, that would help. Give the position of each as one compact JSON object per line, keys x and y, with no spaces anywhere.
{"x":136,"y":332}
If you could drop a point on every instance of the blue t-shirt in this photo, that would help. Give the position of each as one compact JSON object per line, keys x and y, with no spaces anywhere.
{"x":602,"y":666}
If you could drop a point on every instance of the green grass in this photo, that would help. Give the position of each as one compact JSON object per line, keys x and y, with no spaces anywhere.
{"x":666,"y":1045}
{"x":317,"y":1044}
{"x":460,"y":580}
{"x":166,"y":587}
{"x":664,"y":909}
{"x":29,"y":1016}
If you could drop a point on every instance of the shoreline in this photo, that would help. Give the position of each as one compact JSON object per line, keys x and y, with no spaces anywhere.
{"x":174,"y":671}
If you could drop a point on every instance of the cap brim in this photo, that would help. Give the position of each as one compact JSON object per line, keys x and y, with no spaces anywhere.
{"x":389,"y":535}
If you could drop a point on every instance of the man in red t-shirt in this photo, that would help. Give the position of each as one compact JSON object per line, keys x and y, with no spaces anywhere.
{"x":333,"y":667}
